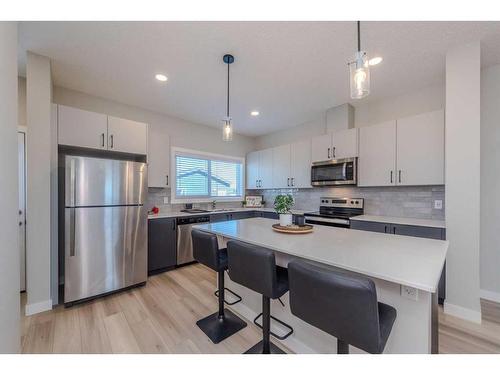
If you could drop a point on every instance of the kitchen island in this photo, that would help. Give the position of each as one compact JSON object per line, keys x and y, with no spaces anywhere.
{"x":395,"y":263}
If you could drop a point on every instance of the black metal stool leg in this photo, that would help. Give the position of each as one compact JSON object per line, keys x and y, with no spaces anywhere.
{"x":223,"y":323}
{"x":342,"y":347}
{"x":265,"y":346}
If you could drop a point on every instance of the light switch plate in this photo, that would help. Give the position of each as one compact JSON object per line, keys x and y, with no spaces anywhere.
{"x":409,"y":292}
{"x":165,"y":200}
{"x":438,"y":204}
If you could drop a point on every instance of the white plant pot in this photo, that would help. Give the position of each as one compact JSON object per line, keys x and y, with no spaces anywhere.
{"x":285,"y":220}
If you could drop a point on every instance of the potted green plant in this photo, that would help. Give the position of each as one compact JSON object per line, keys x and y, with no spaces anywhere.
{"x":282,"y":204}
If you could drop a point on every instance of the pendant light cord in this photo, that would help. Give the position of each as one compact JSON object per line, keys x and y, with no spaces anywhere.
{"x":227,"y":108}
{"x":359,"y":37}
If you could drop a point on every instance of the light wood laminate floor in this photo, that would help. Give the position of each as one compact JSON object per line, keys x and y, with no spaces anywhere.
{"x":160,"y":318}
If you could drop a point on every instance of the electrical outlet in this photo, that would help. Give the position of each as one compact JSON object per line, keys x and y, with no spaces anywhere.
{"x":165,"y":200}
{"x":409,"y":292}
{"x":438,"y":204}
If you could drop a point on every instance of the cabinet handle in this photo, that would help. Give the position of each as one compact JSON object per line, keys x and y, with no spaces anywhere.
{"x":391,"y":177}
{"x":173,"y":225}
{"x":112,"y":143}
{"x":293,"y":181}
{"x":333,"y":151}
{"x":399,"y":175}
{"x":393,"y":230}
{"x":288,"y":181}
{"x":385,"y":228}
{"x":328,"y":152}
{"x":167,"y":179}
{"x":102,"y":140}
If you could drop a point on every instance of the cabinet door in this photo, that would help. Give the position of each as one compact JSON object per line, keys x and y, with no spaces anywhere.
{"x":371,"y":226}
{"x":377,"y":155}
{"x":417,"y":231}
{"x":281,"y":175}
{"x":300,"y":156}
{"x":345,"y":144}
{"x":420,"y":149}
{"x":162,"y":244}
{"x":127,"y":136}
{"x":266,"y":168}
{"x":270,"y":215}
{"x":158,"y":157}
{"x":252,"y":166}
{"x":77,"y":127}
{"x":216,"y":218}
{"x":321,"y":148}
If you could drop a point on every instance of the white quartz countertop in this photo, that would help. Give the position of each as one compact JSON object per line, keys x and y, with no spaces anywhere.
{"x":171,"y":214}
{"x":401,"y":221}
{"x":411,"y":261}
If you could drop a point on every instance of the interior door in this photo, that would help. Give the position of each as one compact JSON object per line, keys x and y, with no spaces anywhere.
{"x":127,"y":136}
{"x":301,"y":164}
{"x":21,"y":141}
{"x":377,"y":155}
{"x":281,"y":177}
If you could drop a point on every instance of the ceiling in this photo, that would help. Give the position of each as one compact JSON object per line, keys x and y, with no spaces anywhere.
{"x":289,"y":71}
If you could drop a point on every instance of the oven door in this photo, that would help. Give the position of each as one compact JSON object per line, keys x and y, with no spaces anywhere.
{"x":334,"y":172}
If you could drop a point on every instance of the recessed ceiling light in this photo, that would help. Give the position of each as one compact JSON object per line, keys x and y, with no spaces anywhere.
{"x":375,"y":61}
{"x":255,"y":113}
{"x":161,"y":77}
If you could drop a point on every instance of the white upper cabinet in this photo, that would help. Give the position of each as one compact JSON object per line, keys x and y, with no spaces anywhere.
{"x":266,"y":169}
{"x":420,"y":149}
{"x":127,"y":136}
{"x":300,"y":165}
{"x":158,"y":157}
{"x":77,"y":127}
{"x":377,"y":155}
{"x":281,"y":176}
{"x":345,"y":144}
{"x":321,"y":148}
{"x":252,"y":168}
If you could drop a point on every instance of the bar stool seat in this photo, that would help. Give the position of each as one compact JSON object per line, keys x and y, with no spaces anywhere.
{"x":341,"y":304}
{"x":224,"y":323}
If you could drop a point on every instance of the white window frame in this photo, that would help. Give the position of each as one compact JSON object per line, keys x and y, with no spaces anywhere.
{"x":195,"y":153}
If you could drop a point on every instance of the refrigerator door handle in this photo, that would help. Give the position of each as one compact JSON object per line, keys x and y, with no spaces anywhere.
{"x":72,"y":219}
{"x":72,"y":183}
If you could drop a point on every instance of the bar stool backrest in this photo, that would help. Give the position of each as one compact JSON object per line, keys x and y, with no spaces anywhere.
{"x":341,"y":304}
{"x":253,"y":267}
{"x":206,"y":249}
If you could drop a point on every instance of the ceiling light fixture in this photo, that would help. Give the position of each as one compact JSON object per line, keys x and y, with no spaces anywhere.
{"x":161,"y":77}
{"x":359,"y":72}
{"x":255,"y":113}
{"x":227,"y":126}
{"x":375,"y":61}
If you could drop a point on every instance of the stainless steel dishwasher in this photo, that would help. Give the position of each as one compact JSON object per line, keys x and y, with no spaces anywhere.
{"x":184,"y":242}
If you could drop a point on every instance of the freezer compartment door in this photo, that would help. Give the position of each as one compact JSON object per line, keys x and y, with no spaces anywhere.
{"x":104,"y":182}
{"x":105,"y":250}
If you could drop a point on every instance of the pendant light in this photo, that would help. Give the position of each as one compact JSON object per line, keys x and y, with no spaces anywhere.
{"x":227,"y":126}
{"x":359,"y":72}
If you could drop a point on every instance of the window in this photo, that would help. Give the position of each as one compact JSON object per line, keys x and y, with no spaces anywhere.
{"x":207,"y":176}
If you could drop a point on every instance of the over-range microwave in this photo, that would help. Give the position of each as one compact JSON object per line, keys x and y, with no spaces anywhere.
{"x":334,"y":172}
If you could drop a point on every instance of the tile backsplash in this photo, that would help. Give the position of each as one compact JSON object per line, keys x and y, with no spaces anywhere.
{"x":402,"y":201}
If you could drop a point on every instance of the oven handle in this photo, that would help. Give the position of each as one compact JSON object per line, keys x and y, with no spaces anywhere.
{"x":326,"y":221}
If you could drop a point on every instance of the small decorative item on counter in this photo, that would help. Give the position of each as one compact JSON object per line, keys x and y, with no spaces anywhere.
{"x":282,"y":204}
{"x":154,"y":211}
{"x":300,"y":220}
{"x":253,"y":201}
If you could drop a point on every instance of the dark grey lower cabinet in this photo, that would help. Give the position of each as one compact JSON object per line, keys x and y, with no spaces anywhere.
{"x":412,"y":231}
{"x":270,"y":215}
{"x":162,"y":245}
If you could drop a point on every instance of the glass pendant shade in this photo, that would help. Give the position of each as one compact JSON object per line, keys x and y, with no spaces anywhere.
{"x":359,"y":71}
{"x":227,"y":130}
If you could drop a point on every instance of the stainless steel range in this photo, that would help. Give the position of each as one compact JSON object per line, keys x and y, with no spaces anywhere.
{"x":335,"y":212}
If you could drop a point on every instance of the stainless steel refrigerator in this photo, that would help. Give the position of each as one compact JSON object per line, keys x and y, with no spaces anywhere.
{"x":105,"y":226}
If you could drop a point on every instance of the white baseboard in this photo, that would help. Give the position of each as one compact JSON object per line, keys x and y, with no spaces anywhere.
{"x":462,"y":312}
{"x":38,"y":307}
{"x":489,"y":295}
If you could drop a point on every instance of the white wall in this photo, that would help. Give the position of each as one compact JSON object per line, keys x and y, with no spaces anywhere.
{"x":490,"y":183}
{"x":462,"y":175}
{"x":39,"y":150}
{"x":366,"y":113}
{"x":21,"y":104}
{"x":9,"y":249}
{"x":182,"y":133}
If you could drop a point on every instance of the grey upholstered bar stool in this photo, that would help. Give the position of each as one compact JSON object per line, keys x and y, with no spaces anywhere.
{"x":341,"y":304}
{"x":255,"y":268}
{"x":223,"y":323}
